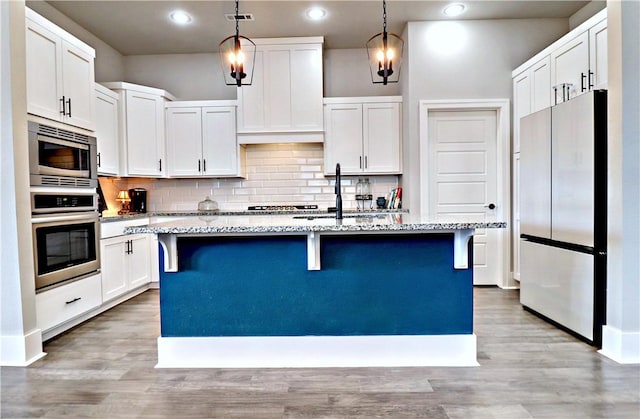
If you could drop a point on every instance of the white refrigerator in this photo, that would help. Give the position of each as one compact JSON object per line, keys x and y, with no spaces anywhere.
{"x":563,"y":220}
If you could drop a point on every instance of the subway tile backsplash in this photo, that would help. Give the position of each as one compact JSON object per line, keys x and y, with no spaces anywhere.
{"x":276,"y":174}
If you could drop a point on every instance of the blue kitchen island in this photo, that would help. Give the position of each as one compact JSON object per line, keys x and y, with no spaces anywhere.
{"x":313,"y":291}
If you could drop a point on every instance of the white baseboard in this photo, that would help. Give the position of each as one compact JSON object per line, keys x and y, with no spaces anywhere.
{"x":622,"y":347}
{"x":20,"y":351}
{"x":317,"y":351}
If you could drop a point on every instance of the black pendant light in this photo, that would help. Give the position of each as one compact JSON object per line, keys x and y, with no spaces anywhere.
{"x":237,"y":57}
{"x":385,"y":53}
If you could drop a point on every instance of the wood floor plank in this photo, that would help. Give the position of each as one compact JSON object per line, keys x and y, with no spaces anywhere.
{"x":104,"y":368}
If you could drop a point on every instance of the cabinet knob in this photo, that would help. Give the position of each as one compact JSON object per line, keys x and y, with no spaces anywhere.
{"x":491,"y":206}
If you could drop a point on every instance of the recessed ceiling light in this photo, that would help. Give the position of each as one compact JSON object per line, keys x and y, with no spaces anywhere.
{"x":180,"y":17}
{"x":316,"y":13}
{"x":455,"y":9}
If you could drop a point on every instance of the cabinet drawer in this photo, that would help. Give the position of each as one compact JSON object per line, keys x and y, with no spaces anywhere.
{"x":115,"y":228}
{"x":60,"y":304}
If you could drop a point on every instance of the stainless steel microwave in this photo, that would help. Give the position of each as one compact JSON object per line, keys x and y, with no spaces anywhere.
{"x":58,"y":157}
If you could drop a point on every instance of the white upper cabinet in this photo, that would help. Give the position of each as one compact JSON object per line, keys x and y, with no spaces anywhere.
{"x":60,"y":74}
{"x":107,"y":131}
{"x":284,"y":101}
{"x":598,"y":55}
{"x":201,"y":140}
{"x":570,"y":68}
{"x":141,"y":130}
{"x":363,"y":134}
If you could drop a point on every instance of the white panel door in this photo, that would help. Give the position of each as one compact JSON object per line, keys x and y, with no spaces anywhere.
{"x":572,"y":171}
{"x":144,"y":134}
{"x":219,"y":143}
{"x":44,"y":66}
{"x":381,"y":136}
{"x":343,"y":138}
{"x":598,"y":63}
{"x":463,"y":180}
{"x":184,"y":141}
{"x":78,"y":84}
{"x":535,"y":174}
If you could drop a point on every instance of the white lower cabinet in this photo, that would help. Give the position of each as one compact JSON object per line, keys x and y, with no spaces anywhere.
{"x":59,"y":305}
{"x":126,"y":264}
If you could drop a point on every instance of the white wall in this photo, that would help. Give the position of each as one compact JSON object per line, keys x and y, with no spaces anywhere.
{"x":346,"y":73}
{"x":109,"y":64}
{"x":621,"y":334}
{"x":187,"y":76}
{"x":463,"y":60}
{"x":20,"y":339}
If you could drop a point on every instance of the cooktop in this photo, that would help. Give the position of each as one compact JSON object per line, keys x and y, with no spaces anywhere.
{"x":282,"y":207}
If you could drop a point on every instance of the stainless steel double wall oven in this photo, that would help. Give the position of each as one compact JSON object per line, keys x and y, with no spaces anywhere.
{"x":64,"y":206}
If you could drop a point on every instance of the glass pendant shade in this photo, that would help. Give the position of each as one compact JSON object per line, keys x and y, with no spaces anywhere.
{"x":385,"y":57}
{"x":237,"y":57}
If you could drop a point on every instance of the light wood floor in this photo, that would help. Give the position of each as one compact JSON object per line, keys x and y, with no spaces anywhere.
{"x":105,"y":369}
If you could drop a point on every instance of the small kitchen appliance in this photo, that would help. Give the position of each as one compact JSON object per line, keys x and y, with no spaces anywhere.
{"x":138,"y":198}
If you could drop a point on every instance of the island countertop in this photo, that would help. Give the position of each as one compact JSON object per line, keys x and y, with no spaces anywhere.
{"x":305,"y":223}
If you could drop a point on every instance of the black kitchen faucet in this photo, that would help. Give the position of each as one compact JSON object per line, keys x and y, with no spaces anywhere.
{"x":338,"y":194}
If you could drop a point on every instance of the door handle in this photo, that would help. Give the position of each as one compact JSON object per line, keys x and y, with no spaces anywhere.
{"x":491,"y":206}
{"x":64,"y":109}
{"x":583,"y":79}
{"x":204,"y":165}
{"x":590,"y":79}
{"x":69,"y":103}
{"x":99,"y":160}
{"x":199,"y":167}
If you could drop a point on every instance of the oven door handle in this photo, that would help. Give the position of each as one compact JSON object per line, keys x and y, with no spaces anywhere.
{"x":56,"y":218}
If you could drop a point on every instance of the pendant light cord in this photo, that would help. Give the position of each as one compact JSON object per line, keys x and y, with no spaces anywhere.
{"x":384,"y":16}
{"x":237,"y":20}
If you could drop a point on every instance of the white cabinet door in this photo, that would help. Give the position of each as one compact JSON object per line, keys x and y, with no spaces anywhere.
{"x":139,"y":260}
{"x":521,"y":104}
{"x":184,"y":142}
{"x":598,"y":56}
{"x":107,"y":131}
{"x":60,"y":77}
{"x":541,"y":91}
{"x":277,"y":71}
{"x":286,"y":93}
{"x":343,"y":138}
{"x":219,"y":141}
{"x":113,"y":266}
{"x":144,"y":134}
{"x":381,"y":135}
{"x":125,"y":265}
{"x":78,"y":84}
{"x":251,"y":114}
{"x":570,"y":64}
{"x":306,"y":87}
{"x":44,"y":70}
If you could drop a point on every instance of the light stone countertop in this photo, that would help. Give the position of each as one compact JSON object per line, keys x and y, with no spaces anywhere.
{"x":304,"y":223}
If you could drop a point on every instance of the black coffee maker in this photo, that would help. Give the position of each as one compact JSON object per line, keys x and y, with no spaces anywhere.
{"x":138,"y":200}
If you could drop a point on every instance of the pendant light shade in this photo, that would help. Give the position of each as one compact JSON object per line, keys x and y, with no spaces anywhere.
{"x":385,"y":53}
{"x":237,"y":57}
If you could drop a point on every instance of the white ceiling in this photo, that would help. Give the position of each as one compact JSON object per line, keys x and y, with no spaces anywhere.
{"x":143,"y":27}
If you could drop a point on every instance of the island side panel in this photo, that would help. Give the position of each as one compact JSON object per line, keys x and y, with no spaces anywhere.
{"x":401,"y":284}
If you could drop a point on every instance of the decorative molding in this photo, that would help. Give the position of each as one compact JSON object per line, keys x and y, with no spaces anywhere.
{"x":622,"y":347}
